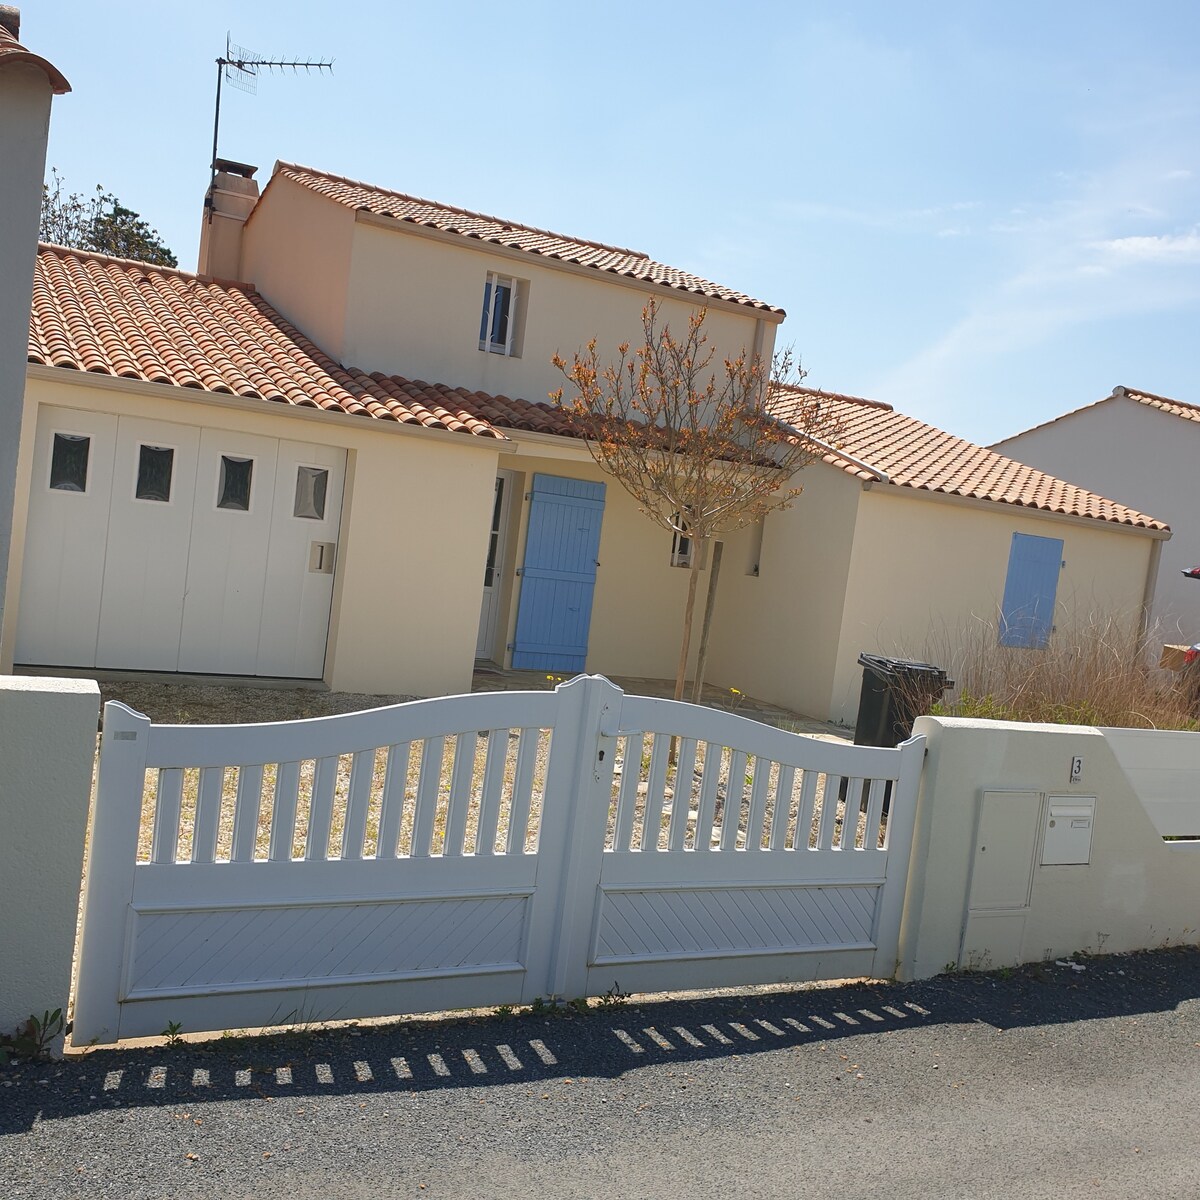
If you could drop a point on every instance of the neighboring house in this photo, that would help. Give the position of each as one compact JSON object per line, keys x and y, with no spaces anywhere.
{"x":251,"y":478}
{"x":1143,"y":450}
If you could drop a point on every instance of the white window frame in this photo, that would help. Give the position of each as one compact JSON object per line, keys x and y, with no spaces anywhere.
{"x":682,"y":546}
{"x":494,"y":282}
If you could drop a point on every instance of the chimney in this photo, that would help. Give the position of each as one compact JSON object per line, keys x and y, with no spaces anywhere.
{"x":231,"y":198}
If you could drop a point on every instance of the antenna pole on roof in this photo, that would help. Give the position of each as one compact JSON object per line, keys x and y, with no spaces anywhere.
{"x":241,"y":67}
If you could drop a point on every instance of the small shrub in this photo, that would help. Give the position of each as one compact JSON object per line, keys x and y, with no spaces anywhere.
{"x":33,"y":1038}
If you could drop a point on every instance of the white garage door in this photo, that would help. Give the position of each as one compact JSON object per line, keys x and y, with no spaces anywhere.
{"x":161,"y":547}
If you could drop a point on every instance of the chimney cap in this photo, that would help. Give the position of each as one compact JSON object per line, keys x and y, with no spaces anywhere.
{"x":235,"y":168}
{"x":11,"y":50}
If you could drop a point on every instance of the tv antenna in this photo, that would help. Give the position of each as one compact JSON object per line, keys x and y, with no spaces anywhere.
{"x":241,"y":67}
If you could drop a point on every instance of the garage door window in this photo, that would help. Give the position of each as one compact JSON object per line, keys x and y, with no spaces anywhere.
{"x":155,"y":467}
{"x":69,"y":462}
{"x":233,"y":491}
{"x":312,"y":485}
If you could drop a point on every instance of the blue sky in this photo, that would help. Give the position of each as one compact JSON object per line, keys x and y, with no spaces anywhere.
{"x":984,"y":214}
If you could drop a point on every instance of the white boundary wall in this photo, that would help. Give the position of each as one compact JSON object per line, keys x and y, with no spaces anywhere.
{"x":47,"y":744}
{"x":980,"y":894}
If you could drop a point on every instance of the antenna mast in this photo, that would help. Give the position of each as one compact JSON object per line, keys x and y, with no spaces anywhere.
{"x":241,"y":67}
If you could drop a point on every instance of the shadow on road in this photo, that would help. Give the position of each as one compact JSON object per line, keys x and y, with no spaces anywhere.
{"x":482,"y":1052}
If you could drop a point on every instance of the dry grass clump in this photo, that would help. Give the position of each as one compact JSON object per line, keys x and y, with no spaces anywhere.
{"x":1093,"y":672}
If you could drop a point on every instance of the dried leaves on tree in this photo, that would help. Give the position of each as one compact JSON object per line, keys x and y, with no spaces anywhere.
{"x":691,"y":436}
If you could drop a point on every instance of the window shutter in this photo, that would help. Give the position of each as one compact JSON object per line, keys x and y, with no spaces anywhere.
{"x":1027,"y":613}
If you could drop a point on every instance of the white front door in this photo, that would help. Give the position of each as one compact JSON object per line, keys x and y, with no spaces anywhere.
{"x":157,"y":546}
{"x":493,"y":571}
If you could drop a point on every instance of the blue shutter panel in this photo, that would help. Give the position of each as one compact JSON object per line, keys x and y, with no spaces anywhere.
{"x":559,"y":574}
{"x":1027,"y":614}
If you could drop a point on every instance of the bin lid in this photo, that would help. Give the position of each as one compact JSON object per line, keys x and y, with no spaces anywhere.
{"x":902,"y":667}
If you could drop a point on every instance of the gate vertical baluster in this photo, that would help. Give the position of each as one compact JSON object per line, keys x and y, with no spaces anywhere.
{"x":108,"y":886}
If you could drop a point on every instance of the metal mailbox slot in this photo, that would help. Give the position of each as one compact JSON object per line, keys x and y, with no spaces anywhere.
{"x":1068,"y":831}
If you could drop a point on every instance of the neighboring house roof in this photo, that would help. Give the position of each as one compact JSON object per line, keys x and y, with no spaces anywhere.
{"x":444,"y":217}
{"x":915,"y":455}
{"x":1176,"y":408}
{"x":11,"y":51}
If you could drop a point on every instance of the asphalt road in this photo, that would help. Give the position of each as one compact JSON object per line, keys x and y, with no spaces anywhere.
{"x":1045,"y":1082}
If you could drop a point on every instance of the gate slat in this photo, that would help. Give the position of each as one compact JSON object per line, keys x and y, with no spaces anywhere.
{"x":320,"y":811}
{"x":208,"y":814}
{"x":392,"y":809}
{"x":758,"y":804}
{"x":782,"y":812}
{"x":166,"y":815}
{"x":829,"y":807}
{"x":876,"y":789}
{"x":656,"y":792}
{"x":735,"y":790}
{"x":681,"y":803}
{"x":430,"y":781}
{"x":708,"y":795}
{"x":362,"y":772}
{"x":492,"y":791}
{"x":465,"y":746}
{"x":522,"y":789}
{"x":635,"y":748}
{"x":283,"y":811}
{"x":853,"y":810}
{"x":245,"y":818}
{"x":804,"y":815}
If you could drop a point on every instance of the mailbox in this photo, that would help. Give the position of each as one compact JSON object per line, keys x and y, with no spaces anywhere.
{"x":1067,"y":837}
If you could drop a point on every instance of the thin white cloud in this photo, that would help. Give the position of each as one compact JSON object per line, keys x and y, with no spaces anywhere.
{"x":1165,"y":248}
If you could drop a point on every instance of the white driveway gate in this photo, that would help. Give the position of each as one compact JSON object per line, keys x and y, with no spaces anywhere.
{"x":479,"y":850}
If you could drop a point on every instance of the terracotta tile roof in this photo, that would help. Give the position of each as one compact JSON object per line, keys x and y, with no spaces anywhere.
{"x":11,"y":51}
{"x":613,"y":259}
{"x":1177,"y":408}
{"x":915,"y":455}
{"x":130,"y":320}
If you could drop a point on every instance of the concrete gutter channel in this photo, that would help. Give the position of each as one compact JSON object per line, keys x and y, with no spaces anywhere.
{"x":620,"y":1100}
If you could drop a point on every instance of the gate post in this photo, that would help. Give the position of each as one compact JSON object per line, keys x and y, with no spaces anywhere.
{"x":47,"y":745}
{"x":574,"y":820}
{"x":108,"y":884}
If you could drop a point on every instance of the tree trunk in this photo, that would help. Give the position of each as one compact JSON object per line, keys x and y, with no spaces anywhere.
{"x":714,"y":571}
{"x":693,"y":579}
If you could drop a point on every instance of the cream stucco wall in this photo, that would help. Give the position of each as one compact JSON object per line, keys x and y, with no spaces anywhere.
{"x":775,"y":636}
{"x":415,"y":300}
{"x":1135,"y":892}
{"x":414,"y":535}
{"x":928,"y":572}
{"x":296,"y":251}
{"x":1142,"y":457}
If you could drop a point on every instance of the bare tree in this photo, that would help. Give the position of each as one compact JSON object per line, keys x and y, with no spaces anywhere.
{"x":693,"y":440}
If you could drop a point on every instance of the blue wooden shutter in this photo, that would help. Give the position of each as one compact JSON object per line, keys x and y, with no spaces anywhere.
{"x":559,"y":574}
{"x":1027,"y":614}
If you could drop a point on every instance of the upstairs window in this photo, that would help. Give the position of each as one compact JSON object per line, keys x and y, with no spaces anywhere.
{"x":498,"y":323}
